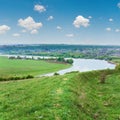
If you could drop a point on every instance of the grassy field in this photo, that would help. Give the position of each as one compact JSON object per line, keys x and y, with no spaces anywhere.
{"x":15,"y":67}
{"x":116,"y":60}
{"x":74,"y":96}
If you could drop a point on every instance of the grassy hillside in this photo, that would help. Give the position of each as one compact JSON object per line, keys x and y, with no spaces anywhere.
{"x":46,"y":98}
{"x":15,"y":67}
{"x":95,"y":100}
{"x":74,"y":96}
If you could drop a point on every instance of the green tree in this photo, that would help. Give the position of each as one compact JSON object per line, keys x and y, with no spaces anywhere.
{"x":70,"y":61}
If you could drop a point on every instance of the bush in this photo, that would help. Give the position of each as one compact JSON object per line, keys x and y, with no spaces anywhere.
{"x":1,"y":79}
{"x":16,"y":78}
{"x":29,"y":76}
{"x":117,"y":67}
{"x":61,"y":59}
{"x":70,"y":61}
{"x":103,"y":77}
{"x":18,"y":57}
{"x":56,"y":73}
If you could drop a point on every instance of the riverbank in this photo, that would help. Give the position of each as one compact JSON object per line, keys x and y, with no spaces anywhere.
{"x":84,"y":65}
{"x":81,"y":65}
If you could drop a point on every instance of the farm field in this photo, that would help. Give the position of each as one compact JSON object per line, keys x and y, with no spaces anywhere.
{"x":15,"y":67}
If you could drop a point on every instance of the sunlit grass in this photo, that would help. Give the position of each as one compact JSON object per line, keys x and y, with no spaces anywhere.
{"x":74,"y":96}
{"x":15,"y":67}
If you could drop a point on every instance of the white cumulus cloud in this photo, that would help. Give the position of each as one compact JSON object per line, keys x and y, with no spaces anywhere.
{"x":4,"y":29}
{"x":111,"y":20}
{"x":69,"y":35}
{"x":90,"y":17}
{"x":29,"y":24}
{"x":50,"y":18}
{"x":34,"y":31}
{"x":118,"y":5}
{"x":23,"y":31}
{"x":108,"y":29}
{"x":117,"y":30}
{"x":81,"y":21}
{"x":39,"y":8}
{"x":16,"y":35}
{"x":59,"y":28}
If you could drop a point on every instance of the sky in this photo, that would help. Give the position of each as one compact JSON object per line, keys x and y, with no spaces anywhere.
{"x":83,"y":22}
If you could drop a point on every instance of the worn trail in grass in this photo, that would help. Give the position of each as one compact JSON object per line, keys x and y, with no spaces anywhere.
{"x":74,"y":96}
{"x":46,"y":98}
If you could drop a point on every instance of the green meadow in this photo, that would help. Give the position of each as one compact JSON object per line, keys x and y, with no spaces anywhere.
{"x":16,"y":67}
{"x":116,"y":60}
{"x":73,"y":96}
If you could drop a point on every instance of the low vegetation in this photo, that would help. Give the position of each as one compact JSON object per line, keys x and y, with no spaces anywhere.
{"x":103,"y":77}
{"x":56,"y":73}
{"x":61,"y":59}
{"x":54,"y":60}
{"x":115,"y":60}
{"x":74,"y":96}
{"x":16,"y":78}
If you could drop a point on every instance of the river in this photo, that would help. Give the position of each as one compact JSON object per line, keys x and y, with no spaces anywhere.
{"x":83,"y":65}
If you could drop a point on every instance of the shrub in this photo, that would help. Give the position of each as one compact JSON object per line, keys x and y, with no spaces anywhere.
{"x":29,"y":76}
{"x":103,"y":77}
{"x":11,"y":57}
{"x":61,"y":59}
{"x":70,"y":61}
{"x":117,"y":67}
{"x":16,"y":78}
{"x":1,"y":79}
{"x":18,"y":57}
{"x":56,"y":73}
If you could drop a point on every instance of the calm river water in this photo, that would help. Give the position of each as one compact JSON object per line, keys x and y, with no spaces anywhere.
{"x":83,"y":65}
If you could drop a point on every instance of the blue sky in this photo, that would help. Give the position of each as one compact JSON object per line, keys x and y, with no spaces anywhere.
{"x":60,"y":22}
